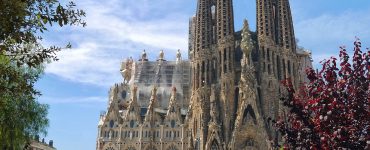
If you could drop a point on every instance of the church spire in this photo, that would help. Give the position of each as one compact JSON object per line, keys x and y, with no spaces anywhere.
{"x":286,"y":30}
{"x":203,"y":41}
{"x":203,"y":25}
{"x":225,"y":19}
{"x":173,"y":107}
{"x":151,"y":116}
{"x":174,"y":111}
{"x":265,"y":20}
{"x":225,"y":36}
{"x":226,"y":54}
{"x":133,"y":108}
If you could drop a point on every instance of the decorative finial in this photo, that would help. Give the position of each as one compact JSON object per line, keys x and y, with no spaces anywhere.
{"x":178,"y":56}
{"x":154,"y":90}
{"x":161,"y":55}
{"x":143,"y":56}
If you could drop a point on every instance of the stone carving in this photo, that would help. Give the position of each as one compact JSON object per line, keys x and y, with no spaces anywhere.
{"x":110,"y":134}
{"x":246,"y":43}
{"x":214,"y":112}
{"x":126,"y":73}
{"x":143,"y":56}
{"x":178,"y":56}
{"x":161,"y":55}
{"x":154,"y":93}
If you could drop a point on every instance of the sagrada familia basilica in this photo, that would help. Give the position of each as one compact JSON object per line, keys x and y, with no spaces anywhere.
{"x":224,"y":96}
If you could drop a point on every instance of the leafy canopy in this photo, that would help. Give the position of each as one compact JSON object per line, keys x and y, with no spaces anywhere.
{"x":23,"y":21}
{"x":21,"y":116}
{"x":22,"y":24}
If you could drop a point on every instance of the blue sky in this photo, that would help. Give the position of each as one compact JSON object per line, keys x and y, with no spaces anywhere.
{"x":76,"y":87}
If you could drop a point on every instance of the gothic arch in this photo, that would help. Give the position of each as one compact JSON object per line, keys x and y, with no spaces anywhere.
{"x":249,"y":114}
{"x":213,"y":143}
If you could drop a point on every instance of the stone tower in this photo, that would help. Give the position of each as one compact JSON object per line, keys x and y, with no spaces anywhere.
{"x":226,"y":51}
{"x":213,"y":72}
{"x":201,"y":73}
{"x":266,"y":22}
{"x":286,"y":31}
{"x":218,"y":85}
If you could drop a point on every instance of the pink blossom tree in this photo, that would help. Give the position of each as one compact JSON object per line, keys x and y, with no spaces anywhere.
{"x":332,"y":110}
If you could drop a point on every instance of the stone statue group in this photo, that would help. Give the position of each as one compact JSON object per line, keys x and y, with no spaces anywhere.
{"x":126,"y":72}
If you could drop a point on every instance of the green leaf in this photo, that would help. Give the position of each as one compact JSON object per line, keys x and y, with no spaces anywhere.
{"x":45,"y":20}
{"x":59,"y":8}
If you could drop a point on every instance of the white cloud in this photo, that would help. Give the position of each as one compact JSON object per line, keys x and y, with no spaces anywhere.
{"x":121,"y":28}
{"x":326,"y":33}
{"x":115,"y":30}
{"x":85,"y":64}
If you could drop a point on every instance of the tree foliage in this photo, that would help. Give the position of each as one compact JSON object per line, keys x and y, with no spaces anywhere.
{"x":21,"y":115}
{"x":22,"y":24}
{"x":332,"y":110}
{"x":23,"y":21}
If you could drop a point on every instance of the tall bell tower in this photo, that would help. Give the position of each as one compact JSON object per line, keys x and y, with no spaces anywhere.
{"x":201,"y":75}
{"x":265,"y":21}
{"x":217,"y":98}
{"x":286,"y":30}
{"x":226,"y":53}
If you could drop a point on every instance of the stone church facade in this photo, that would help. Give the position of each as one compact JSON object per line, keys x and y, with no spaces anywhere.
{"x":223,"y":97}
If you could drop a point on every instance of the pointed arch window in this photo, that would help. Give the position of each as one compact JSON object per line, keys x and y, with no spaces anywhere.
{"x":111,"y":123}
{"x":173,"y":123}
{"x":123,"y":94}
{"x":132,"y":123}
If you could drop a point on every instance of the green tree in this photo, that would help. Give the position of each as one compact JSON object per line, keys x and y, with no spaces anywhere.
{"x":21,"y":115}
{"x":24,"y":21}
{"x":22,"y":24}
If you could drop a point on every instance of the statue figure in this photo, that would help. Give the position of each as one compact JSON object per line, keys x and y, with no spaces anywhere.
{"x":161,"y":55}
{"x":128,"y":63}
{"x":154,"y":93}
{"x":110,"y":134}
{"x":126,"y":72}
{"x":131,"y":61}
{"x":143,"y":56}
{"x":178,"y":56}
